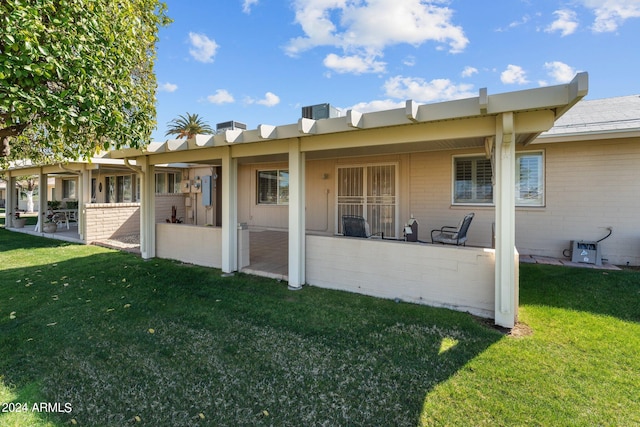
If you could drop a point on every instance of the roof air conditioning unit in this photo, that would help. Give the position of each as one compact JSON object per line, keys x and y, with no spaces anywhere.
{"x":232,"y":125}
{"x":320,"y":111}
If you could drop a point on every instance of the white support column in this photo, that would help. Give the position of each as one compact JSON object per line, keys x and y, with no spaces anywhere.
{"x":506,"y":282}
{"x":229,"y":212}
{"x":296,"y":216}
{"x":147,"y":208}
{"x":84,"y":198}
{"x":43,"y":205}
{"x":10,"y":207}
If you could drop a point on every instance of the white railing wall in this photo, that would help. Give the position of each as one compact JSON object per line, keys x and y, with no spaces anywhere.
{"x":460,"y":278}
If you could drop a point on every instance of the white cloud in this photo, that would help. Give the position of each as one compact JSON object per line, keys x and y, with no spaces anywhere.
{"x":247,"y":4}
{"x":353,"y":64}
{"x":399,"y":89}
{"x":566,"y":22}
{"x":409,"y":61}
{"x":378,"y":105}
{"x":422,"y":91}
{"x":514,"y":74}
{"x":610,"y":14}
{"x":515,"y":24}
{"x":167,"y":87}
{"x":367,"y":28}
{"x":203,"y":49}
{"x":469,"y":71}
{"x":221,"y":96}
{"x":559,"y":71}
{"x":270,"y":100}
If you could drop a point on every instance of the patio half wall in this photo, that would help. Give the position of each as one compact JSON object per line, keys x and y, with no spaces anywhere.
{"x":460,"y":278}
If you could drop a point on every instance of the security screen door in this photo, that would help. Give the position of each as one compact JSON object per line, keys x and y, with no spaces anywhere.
{"x":369,"y":191}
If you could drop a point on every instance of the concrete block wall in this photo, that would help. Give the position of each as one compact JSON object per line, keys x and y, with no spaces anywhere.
{"x":460,"y":278}
{"x":164,"y":202}
{"x":109,"y":220}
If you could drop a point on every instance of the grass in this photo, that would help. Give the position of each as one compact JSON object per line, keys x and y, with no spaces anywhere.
{"x":128,"y":342}
{"x":32,"y":218}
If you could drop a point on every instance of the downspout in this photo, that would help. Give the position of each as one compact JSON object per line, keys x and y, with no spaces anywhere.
{"x":136,"y":169}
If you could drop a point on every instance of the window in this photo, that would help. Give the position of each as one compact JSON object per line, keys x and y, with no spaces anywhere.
{"x":168,"y":183}
{"x":174,"y":180}
{"x":369,"y":191}
{"x":68,"y":189}
{"x":472,"y":182}
{"x":161,"y":183}
{"x":120,"y":189}
{"x":273,"y":187}
{"x":110,"y":182}
{"x":529,"y":180}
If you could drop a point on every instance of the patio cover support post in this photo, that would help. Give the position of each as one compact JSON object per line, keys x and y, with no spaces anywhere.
{"x":506,"y":282}
{"x":10,"y":207}
{"x":83,"y":198}
{"x":229,"y":212}
{"x":296,"y":215}
{"x":147,"y":208}
{"x":43,"y":205}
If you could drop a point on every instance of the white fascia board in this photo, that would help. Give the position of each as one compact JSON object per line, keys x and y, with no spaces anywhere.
{"x":586,"y":136}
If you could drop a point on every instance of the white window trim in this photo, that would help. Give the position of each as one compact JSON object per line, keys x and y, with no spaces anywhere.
{"x":257,"y":176}
{"x":518,"y":153}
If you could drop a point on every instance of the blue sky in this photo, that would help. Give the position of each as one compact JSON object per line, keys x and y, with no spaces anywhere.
{"x":260,"y":61}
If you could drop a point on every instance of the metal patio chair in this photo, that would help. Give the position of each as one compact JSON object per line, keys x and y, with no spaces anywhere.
{"x":453,"y":235}
{"x":356,"y":226}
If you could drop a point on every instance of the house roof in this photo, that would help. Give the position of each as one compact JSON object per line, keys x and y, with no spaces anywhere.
{"x":618,"y":115}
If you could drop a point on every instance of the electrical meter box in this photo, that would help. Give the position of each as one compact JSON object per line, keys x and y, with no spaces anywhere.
{"x":586,"y":252}
{"x":207,"y":190}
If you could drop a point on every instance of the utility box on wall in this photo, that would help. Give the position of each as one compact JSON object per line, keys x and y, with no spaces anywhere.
{"x":207,"y":190}
{"x":586,"y":252}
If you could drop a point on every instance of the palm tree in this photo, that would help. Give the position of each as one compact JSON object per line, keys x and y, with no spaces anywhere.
{"x":188,"y":126}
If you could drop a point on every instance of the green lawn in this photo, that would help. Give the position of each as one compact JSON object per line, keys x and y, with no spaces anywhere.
{"x":114,"y":340}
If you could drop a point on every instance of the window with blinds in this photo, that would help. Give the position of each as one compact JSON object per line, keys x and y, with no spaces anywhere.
{"x":472,"y":182}
{"x":529,"y":185}
{"x":273,"y":187}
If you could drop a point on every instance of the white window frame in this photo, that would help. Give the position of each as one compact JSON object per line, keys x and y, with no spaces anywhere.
{"x":453,"y":180}
{"x":117,"y":193}
{"x":280,"y":200}
{"x":69,"y":188}
{"x":520,"y":202}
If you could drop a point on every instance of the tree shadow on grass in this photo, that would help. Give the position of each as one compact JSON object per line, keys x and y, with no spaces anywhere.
{"x":612,"y":293}
{"x":117,"y":337}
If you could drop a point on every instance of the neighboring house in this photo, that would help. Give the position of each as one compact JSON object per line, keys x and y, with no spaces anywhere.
{"x":107,"y":191}
{"x":435,"y":162}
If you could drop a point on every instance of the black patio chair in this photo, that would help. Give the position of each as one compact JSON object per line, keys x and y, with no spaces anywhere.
{"x":453,"y":235}
{"x":356,"y":226}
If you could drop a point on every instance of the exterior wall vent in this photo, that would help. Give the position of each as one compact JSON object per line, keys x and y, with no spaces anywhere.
{"x":320,"y":111}
{"x":232,"y":125}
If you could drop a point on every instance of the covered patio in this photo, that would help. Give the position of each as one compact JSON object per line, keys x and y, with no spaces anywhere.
{"x":313,"y":153}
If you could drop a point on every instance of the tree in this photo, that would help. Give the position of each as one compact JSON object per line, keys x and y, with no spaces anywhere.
{"x":27,"y":185}
{"x":76,"y":76}
{"x":188,"y":126}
